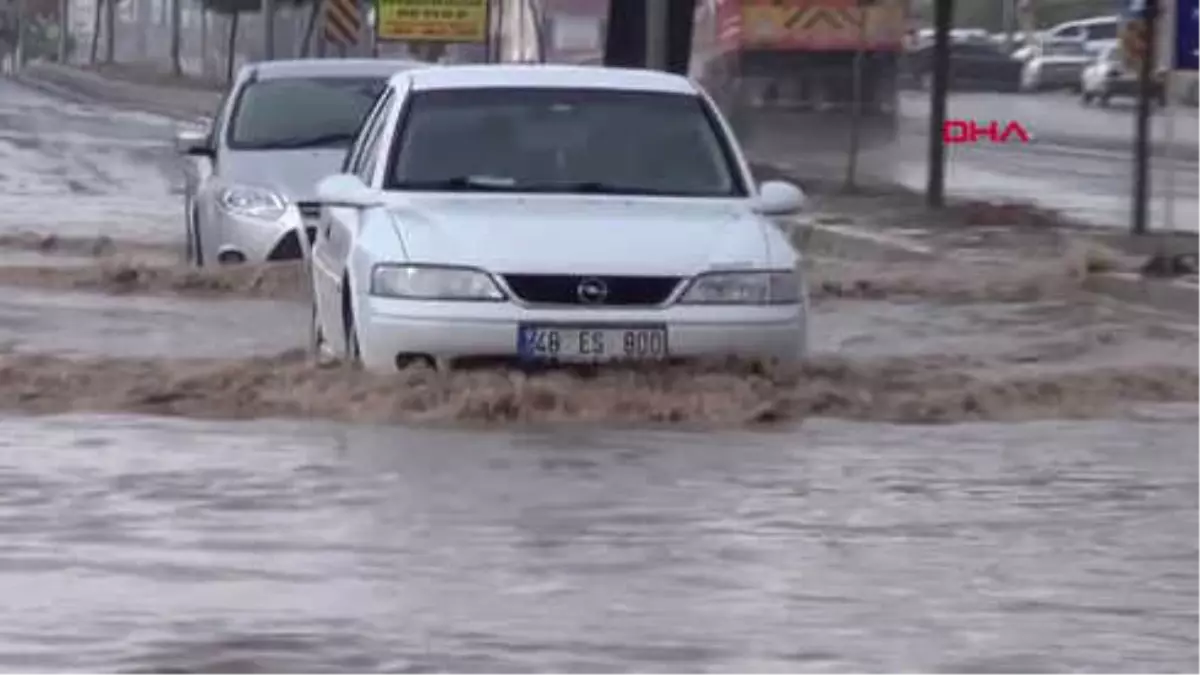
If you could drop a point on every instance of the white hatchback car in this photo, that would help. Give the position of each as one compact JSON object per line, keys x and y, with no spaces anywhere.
{"x":539,"y":213}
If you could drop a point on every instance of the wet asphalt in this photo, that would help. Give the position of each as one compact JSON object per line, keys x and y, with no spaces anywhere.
{"x":140,"y":543}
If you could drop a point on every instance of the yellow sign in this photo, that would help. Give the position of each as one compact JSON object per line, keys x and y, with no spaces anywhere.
{"x":433,"y":20}
{"x":823,"y":24}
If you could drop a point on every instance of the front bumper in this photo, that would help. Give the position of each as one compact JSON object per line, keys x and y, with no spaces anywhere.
{"x":259,"y":240}
{"x":390,"y":328}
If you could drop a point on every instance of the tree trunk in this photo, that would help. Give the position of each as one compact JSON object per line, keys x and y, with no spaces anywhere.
{"x":110,"y":25}
{"x":176,"y":37}
{"x":98,"y":7}
{"x":231,"y":47}
{"x":313,"y":14}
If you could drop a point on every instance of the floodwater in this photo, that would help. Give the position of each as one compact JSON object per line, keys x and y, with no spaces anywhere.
{"x":981,"y":470}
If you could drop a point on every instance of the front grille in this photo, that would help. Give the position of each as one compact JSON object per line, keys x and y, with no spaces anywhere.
{"x":563,"y":289}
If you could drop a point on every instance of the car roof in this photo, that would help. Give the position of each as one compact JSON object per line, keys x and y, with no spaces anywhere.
{"x":287,"y":68}
{"x":546,"y":76}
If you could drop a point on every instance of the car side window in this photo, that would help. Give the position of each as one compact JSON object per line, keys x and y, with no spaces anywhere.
{"x":370,"y":149}
{"x":354,"y":154}
{"x":1102,"y":31}
{"x":1069,"y":33}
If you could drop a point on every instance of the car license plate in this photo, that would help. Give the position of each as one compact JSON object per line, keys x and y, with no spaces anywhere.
{"x":591,"y":344}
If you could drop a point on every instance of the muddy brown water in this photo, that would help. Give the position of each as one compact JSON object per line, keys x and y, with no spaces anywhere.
{"x":146,"y":544}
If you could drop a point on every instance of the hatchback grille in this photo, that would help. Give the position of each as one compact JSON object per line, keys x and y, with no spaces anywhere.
{"x":564,"y":289}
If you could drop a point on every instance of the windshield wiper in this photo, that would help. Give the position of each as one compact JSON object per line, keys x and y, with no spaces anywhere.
{"x":310,"y":142}
{"x":599,"y":188}
{"x":461,"y":183}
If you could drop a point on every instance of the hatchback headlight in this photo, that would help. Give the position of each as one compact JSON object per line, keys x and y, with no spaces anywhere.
{"x":745,"y":288}
{"x":431,"y":282}
{"x":255,"y":202}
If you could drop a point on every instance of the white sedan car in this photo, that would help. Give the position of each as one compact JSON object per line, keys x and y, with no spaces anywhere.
{"x":537,"y":213}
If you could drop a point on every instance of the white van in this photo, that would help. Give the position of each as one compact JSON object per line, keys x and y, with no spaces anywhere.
{"x":1095,"y":33}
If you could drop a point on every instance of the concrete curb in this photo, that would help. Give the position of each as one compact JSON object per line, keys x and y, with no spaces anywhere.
{"x":840,"y":240}
{"x":83,"y":86}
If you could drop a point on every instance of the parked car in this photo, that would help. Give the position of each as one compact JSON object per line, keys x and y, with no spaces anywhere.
{"x":1055,"y":64}
{"x":281,"y":127}
{"x":973,"y":65}
{"x":1096,"y":33}
{"x":1108,"y":76}
{"x":551,"y":213}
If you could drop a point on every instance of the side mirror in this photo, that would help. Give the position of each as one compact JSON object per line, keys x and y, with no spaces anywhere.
{"x":779,"y":198}
{"x":345,"y":189}
{"x":193,"y":143}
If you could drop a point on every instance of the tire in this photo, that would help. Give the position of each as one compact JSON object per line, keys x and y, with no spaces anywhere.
{"x":1102,"y":100}
{"x":1085,"y":98}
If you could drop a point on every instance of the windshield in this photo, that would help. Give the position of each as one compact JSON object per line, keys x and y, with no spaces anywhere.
{"x":564,"y":140}
{"x":301,"y":112}
{"x":1066,"y":48}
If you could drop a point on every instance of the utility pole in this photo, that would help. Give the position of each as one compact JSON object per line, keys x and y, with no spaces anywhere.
{"x":268,"y":30}
{"x":176,"y":37}
{"x":110,"y":28}
{"x":64,"y":30}
{"x":857,"y":95}
{"x":19,"y":39}
{"x":935,"y":186}
{"x":1146,"y":96}
{"x":657,"y":26}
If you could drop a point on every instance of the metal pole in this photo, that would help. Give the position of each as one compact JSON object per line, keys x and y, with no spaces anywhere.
{"x":110,"y":28}
{"x":64,"y":32}
{"x":1141,"y":162}
{"x":268,"y":30}
{"x":935,"y":186}
{"x":857,"y":102}
{"x":1170,"y":95}
{"x":19,"y":47}
{"x":656,"y":34}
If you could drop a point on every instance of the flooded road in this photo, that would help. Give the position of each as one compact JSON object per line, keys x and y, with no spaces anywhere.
{"x":981,"y":470}
{"x":147,"y":544}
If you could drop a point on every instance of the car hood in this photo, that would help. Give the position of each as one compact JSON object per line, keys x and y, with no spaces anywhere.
{"x":294,"y":173}
{"x":568,"y":234}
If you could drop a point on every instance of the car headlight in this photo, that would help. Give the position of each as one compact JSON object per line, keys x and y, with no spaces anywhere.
{"x":255,"y":202}
{"x":431,"y":282}
{"x":745,"y":288}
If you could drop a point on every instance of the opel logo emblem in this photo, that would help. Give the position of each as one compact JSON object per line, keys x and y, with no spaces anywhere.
{"x":592,"y":291}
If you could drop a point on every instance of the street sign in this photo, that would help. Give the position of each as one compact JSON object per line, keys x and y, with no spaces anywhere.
{"x":463,"y":21}
{"x":1187,"y":25}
